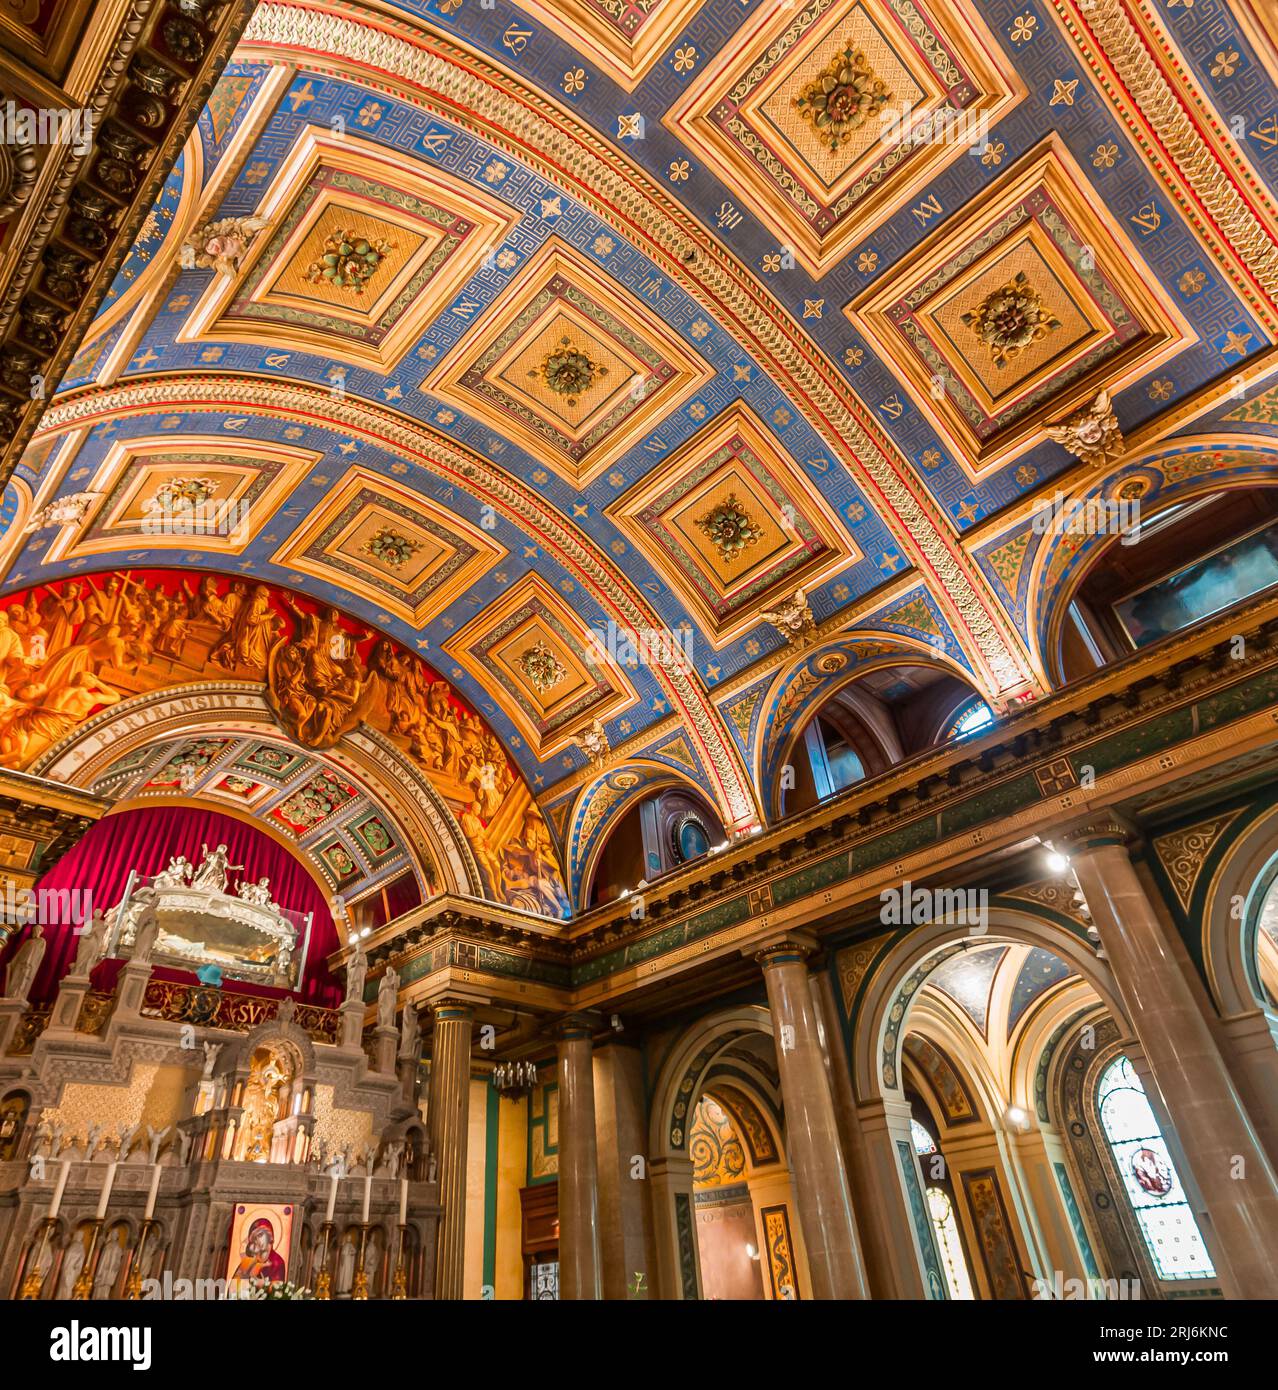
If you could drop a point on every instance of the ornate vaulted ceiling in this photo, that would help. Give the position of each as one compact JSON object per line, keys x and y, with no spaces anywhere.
{"x":527,"y":320}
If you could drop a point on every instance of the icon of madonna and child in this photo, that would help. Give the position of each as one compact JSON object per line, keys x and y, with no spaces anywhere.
{"x":259,"y":1243}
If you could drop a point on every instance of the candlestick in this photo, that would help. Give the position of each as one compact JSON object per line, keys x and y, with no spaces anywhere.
{"x":324,"y":1284}
{"x":56,"y":1204}
{"x":83,"y":1287}
{"x":403,"y":1201}
{"x":359,"y":1286}
{"x":368,"y":1196}
{"x":151,"y":1195}
{"x":133,"y":1284}
{"x":399,"y":1281}
{"x":33,"y":1280}
{"x":105,"y":1195}
{"x":332,"y":1198}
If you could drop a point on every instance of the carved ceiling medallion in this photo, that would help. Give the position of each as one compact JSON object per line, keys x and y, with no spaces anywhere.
{"x":542,"y":667}
{"x":177,"y":496}
{"x":391,"y":548}
{"x":1010,"y":319}
{"x":349,"y":260}
{"x":729,"y":528}
{"x":841,"y":98}
{"x":568,"y":371}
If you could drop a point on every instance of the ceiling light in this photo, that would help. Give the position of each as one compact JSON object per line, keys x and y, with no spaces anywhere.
{"x":1057,"y":862}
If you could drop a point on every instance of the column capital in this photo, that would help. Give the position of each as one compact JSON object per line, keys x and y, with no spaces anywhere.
{"x":452,"y":1008}
{"x":1094,"y":831}
{"x":785,"y":949}
{"x":574,"y":1027}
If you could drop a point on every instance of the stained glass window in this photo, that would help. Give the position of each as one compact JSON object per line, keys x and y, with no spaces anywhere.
{"x":948,"y":1242}
{"x":923,"y":1141}
{"x":1149,"y":1176}
{"x":972,"y":717}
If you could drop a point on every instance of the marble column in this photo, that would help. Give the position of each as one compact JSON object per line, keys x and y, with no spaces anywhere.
{"x":628,"y":1259}
{"x":867,"y":1202}
{"x":579,"y":1272}
{"x":1228,"y":1164}
{"x":816,"y":1157}
{"x":448,"y":1117}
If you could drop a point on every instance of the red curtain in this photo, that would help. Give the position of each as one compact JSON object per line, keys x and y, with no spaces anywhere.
{"x":144,"y":839}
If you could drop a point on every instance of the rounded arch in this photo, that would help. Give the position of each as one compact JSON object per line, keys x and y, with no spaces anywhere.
{"x":905,"y":965}
{"x":237,"y":707}
{"x":684,"y":1071}
{"x":1163,"y":475}
{"x":599,"y":807}
{"x":1038,"y":1036}
{"x":813,"y":678}
{"x":1230,"y":916}
{"x":945,"y":1027}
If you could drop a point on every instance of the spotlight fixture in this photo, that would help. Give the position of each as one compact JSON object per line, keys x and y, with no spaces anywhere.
{"x":1057,"y":862}
{"x":514,"y":1079}
{"x":1016,"y":1117}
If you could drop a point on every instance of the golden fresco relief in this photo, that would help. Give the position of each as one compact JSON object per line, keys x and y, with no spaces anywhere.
{"x":72,"y":649}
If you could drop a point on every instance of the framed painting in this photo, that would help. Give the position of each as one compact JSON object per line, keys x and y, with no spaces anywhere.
{"x":261,"y":1235}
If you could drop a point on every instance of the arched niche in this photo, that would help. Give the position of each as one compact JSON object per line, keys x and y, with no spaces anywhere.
{"x":851,"y":710}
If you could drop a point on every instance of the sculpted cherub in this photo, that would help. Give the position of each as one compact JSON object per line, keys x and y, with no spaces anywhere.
{"x":1091,"y":434}
{"x":793,"y":619}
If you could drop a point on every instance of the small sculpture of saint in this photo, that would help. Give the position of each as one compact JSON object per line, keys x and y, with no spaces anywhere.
{"x":211,"y":874}
{"x":260,"y":1259}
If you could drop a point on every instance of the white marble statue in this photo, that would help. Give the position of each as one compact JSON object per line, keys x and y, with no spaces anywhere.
{"x":176,"y":875}
{"x":259,"y":893}
{"x":142,"y":901}
{"x":90,"y":944}
{"x":25,"y":964}
{"x":410,"y":1032}
{"x":356,"y":974}
{"x":211,"y":1050}
{"x":212,"y":870}
{"x":155,"y":1137}
{"x":387,"y":994}
{"x":126,"y":1137}
{"x":72,"y":1264}
{"x":92,"y":1142}
{"x":104,"y":1276}
{"x":346,"y":1267}
{"x":146,"y":931}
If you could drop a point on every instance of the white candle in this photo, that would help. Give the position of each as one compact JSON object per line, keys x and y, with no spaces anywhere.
{"x":151,"y":1195}
{"x":106,"y":1190}
{"x":368,"y":1194}
{"x":60,"y":1189}
{"x":403,"y":1201}
{"x":332,"y":1196}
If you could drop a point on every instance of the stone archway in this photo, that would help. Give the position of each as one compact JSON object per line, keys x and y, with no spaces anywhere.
{"x":714,"y":1056}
